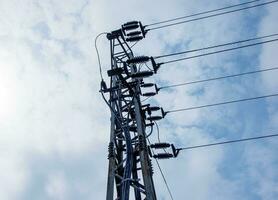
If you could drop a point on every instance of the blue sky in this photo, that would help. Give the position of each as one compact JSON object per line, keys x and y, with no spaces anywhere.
{"x":54,"y":126}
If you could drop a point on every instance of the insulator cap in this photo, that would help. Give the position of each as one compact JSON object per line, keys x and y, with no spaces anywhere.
{"x":154,"y":118}
{"x":142,"y":74}
{"x":138,"y":59}
{"x":134,"y":38}
{"x":163,"y":155}
{"x":161,"y":145}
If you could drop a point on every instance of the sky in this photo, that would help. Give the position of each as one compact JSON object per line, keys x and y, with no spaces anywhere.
{"x":54,"y":125}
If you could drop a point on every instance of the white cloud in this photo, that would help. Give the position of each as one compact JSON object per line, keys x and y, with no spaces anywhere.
{"x":56,"y":187}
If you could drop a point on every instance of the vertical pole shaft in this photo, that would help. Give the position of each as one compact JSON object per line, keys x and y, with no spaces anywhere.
{"x":144,"y":157}
{"x":143,"y":153}
{"x":111,"y":166}
{"x":111,"y":154}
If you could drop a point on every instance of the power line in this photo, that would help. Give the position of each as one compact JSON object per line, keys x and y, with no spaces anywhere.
{"x":220,"y":51}
{"x":228,"y":142}
{"x":214,"y":15}
{"x":217,"y":78}
{"x":201,"y":13}
{"x":216,"y":46}
{"x":164,"y":179}
{"x":222,"y":103}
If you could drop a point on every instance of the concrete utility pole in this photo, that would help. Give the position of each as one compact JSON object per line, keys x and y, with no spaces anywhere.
{"x":130,"y":168}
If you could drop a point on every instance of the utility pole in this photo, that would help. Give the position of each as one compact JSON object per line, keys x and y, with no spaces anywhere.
{"x":130,"y":168}
{"x":129,"y":162}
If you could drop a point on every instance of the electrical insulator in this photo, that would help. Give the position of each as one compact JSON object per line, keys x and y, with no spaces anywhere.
{"x":160,"y":145}
{"x":149,"y":94}
{"x":114,"y":72}
{"x":130,"y":25}
{"x":142,"y":74}
{"x":138,"y":59}
{"x":134,"y":39}
{"x":163,"y":155}
{"x":134,"y":33}
{"x":147,"y":84}
{"x":150,"y":109}
{"x":154,"y":118}
{"x":154,"y":108}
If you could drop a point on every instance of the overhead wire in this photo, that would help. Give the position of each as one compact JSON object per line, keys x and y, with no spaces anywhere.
{"x":164,"y":179}
{"x":228,"y":142}
{"x":217,"y":78}
{"x":201,"y":13}
{"x":98,"y":57}
{"x":219,"y":51}
{"x":158,"y":132}
{"x":214,"y":15}
{"x":216,"y":46}
{"x":222,"y":103}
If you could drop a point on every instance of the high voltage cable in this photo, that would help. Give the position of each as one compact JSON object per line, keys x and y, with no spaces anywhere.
{"x":220,"y":51}
{"x":216,"y":46}
{"x":214,"y":15}
{"x":201,"y":13}
{"x":228,"y":142}
{"x":217,"y":78}
{"x":222,"y":103}
{"x":164,"y":179}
